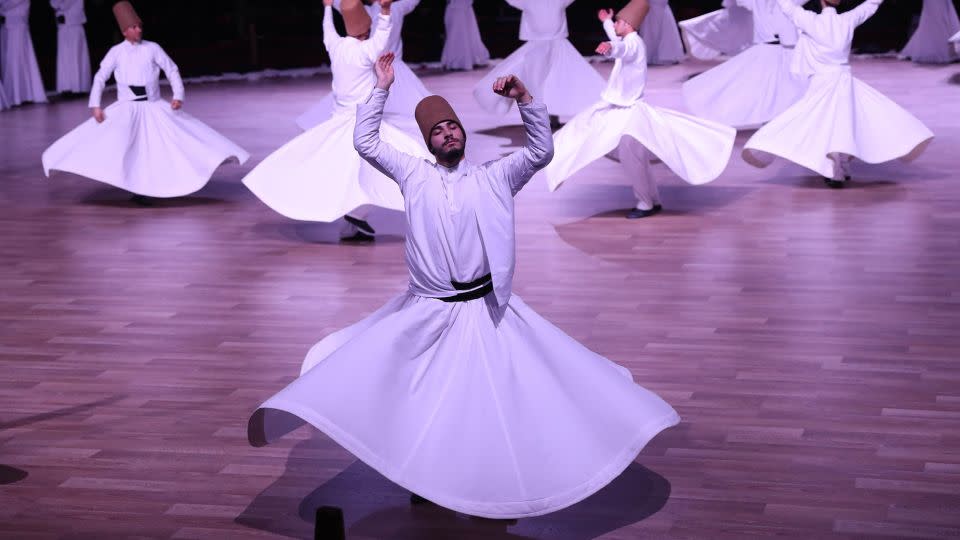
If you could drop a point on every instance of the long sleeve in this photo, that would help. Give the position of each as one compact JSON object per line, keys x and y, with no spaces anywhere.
{"x":330,"y":35}
{"x":863,"y":12}
{"x":800,"y":17}
{"x":519,"y":167}
{"x":366,"y":140}
{"x":623,"y":48}
{"x":372,"y":48}
{"x":107,"y":65}
{"x":171,"y":70}
{"x":609,"y":30}
{"x":404,"y":7}
{"x":519,"y":4}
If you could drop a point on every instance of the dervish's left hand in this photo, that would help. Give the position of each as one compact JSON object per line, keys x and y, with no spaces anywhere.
{"x":384,"y":71}
{"x":604,"y":48}
{"x":512,"y":87}
{"x":176,"y":104}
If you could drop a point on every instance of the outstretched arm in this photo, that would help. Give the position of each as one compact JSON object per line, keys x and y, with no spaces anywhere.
{"x":330,"y":35}
{"x":864,"y":11}
{"x":519,"y":167}
{"x":800,"y":17}
{"x":366,"y":133}
{"x":606,"y":18}
{"x":374,"y":47}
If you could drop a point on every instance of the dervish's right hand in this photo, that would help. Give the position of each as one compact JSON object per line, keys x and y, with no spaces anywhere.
{"x":327,"y":3}
{"x":604,"y":14}
{"x":384,"y":71}
{"x":604,"y":48}
{"x":98,"y":115}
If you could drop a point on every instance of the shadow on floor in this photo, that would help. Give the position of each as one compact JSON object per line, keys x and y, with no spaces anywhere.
{"x":374,"y":507}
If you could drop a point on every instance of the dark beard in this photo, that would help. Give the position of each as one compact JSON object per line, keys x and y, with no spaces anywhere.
{"x":449,"y":156}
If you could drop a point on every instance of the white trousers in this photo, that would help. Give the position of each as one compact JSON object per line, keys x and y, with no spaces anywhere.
{"x":635,"y":160}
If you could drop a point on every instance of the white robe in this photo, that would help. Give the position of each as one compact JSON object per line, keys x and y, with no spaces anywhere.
{"x":318,"y":176}
{"x":552,"y":69}
{"x":4,"y":102}
{"x":73,"y":57}
{"x":480,"y":406}
{"x":839,"y":116}
{"x":143,"y":146}
{"x":408,"y":89}
{"x":463,"y":47}
{"x":696,"y":150}
{"x":756,"y":85}
{"x":930,"y":43}
{"x":661,"y":34}
{"x":726,"y":31}
{"x":955,"y":42}
{"x":18,"y":63}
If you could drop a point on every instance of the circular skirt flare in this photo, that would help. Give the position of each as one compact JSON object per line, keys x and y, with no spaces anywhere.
{"x":838,"y":115}
{"x":696,"y":150}
{"x":144,"y":147}
{"x":747,"y":90}
{"x":405,"y":93}
{"x":501,"y":421}
{"x":318,"y":176}
{"x":554,"y":73}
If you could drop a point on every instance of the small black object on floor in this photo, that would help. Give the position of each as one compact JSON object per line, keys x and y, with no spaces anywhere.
{"x":329,"y":524}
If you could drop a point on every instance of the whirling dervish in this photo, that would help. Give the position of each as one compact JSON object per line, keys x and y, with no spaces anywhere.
{"x":726,"y":31}
{"x":696,"y":150}
{"x":548,"y":63}
{"x":661,"y":35}
{"x":840,"y":117}
{"x":749,"y":89}
{"x":930,"y":43}
{"x":318,"y":176}
{"x":409,"y":90}
{"x":463,"y":47}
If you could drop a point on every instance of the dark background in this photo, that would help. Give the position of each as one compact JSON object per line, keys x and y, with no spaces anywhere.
{"x":208,"y":37}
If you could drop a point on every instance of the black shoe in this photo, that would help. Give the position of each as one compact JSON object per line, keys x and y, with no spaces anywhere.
{"x":834,"y":184}
{"x":329,"y":524}
{"x":417,"y":500}
{"x":360,"y":224}
{"x":358,"y":237}
{"x":637,"y":213}
{"x":142,"y":200}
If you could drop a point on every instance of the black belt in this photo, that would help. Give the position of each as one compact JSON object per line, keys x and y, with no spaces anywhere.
{"x":139,"y":91}
{"x":477,"y":288}
{"x":61,"y":19}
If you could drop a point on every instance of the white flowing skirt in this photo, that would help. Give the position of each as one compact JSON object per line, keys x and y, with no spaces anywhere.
{"x":696,"y":150}
{"x":405,"y":93}
{"x":20,"y":73}
{"x":554,"y":73}
{"x":661,"y":36}
{"x":318,"y":176}
{"x":498,"y":421}
{"x":838,"y":115}
{"x":930,"y":43}
{"x":73,"y":59}
{"x":747,"y":90}
{"x":4,"y":102}
{"x":463,"y":48}
{"x":144,"y":147}
{"x":725,"y":31}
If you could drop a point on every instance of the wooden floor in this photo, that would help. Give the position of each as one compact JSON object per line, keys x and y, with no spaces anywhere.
{"x":809,"y":338}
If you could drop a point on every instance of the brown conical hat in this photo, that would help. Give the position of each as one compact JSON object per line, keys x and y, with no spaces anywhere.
{"x":355,"y":17}
{"x":431,"y":111}
{"x":634,"y":12}
{"x":126,"y":16}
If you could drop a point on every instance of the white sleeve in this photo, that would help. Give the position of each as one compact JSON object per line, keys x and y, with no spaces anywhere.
{"x":393,"y":163}
{"x":609,"y":30}
{"x":107,"y":65}
{"x":171,"y":70}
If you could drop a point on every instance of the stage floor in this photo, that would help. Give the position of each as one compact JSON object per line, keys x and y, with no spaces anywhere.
{"x":809,"y":338}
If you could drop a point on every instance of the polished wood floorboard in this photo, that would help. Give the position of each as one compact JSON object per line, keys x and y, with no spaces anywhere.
{"x":809,"y":338}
